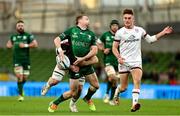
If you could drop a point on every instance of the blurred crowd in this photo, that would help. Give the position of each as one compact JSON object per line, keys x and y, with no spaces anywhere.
{"x":169,"y":76}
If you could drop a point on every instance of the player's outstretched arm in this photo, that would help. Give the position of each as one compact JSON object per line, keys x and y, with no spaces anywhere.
{"x":91,"y":53}
{"x":165,"y":31}
{"x":57,"y":43}
{"x":92,"y":60}
{"x":9,"y":44}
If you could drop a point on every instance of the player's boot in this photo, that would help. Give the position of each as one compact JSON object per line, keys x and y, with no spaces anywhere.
{"x":90,"y":103}
{"x":45,"y":90}
{"x":72,"y":107}
{"x":20,"y":98}
{"x":106,"y":98}
{"x":135,"y":107}
{"x":111,"y":102}
{"x":52,"y":107}
{"x":116,"y":100}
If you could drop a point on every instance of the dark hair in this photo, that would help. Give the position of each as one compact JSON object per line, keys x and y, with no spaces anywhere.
{"x":20,"y":21}
{"x":78,"y":18}
{"x":114,"y":22}
{"x":128,"y":11}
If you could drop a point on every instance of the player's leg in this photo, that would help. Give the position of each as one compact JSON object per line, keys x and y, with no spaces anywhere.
{"x":109,"y":85}
{"x":18,"y":70}
{"x":25,"y":72}
{"x":123,"y":75}
{"x":74,"y":83}
{"x":56,"y":77}
{"x":94,"y":85}
{"x":122,"y":86}
{"x":136,"y":75}
{"x":112,"y":83}
{"x":72,"y":104}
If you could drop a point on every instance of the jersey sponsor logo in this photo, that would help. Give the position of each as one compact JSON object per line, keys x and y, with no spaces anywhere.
{"x":134,"y":40}
{"x":79,"y":43}
{"x":131,"y":39}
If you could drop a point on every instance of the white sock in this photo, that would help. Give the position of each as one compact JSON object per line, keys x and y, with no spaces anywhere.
{"x":135,"y":96}
{"x":73,"y":100}
{"x":47,"y":84}
{"x":116,"y":94}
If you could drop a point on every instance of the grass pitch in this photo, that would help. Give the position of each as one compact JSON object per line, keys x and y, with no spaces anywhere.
{"x":39,"y":105}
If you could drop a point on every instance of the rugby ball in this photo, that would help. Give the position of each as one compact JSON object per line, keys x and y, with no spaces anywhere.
{"x":63,"y":64}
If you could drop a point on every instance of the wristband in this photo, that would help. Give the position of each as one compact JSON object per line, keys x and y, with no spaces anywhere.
{"x":26,"y":45}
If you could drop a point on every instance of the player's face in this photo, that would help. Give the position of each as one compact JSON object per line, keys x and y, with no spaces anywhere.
{"x":128,"y":20}
{"x":20,"y":27}
{"x":114,"y":28}
{"x":85,"y":21}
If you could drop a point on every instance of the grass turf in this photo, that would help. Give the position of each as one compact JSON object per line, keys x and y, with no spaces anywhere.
{"x":39,"y":105}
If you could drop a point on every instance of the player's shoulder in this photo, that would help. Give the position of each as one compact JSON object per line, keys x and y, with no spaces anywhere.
{"x":27,"y":34}
{"x":106,"y":33}
{"x":119,"y":31}
{"x":138,"y":28}
{"x":13,"y":34}
{"x":71,"y":28}
{"x":90,"y":32}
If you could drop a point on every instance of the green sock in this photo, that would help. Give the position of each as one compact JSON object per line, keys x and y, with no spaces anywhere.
{"x":89,"y":94}
{"x":113,"y":89}
{"x":59,"y":100}
{"x":20,"y":88}
{"x":109,"y":84}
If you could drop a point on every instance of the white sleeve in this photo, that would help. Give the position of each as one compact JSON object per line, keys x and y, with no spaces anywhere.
{"x":147,"y":37}
{"x":117,"y":36}
{"x":150,"y":39}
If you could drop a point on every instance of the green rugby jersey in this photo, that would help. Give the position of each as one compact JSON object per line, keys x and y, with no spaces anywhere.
{"x":81,"y":40}
{"x":107,"y":39}
{"x":21,"y":55}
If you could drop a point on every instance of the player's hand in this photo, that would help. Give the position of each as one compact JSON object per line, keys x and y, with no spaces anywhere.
{"x":121,"y":60}
{"x":74,"y":68}
{"x":167,"y":30}
{"x":79,"y":59}
{"x":21,"y":45}
{"x":106,"y":51}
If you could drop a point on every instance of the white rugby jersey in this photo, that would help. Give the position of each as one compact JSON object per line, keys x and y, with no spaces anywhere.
{"x":130,"y":43}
